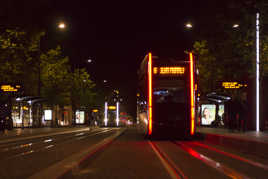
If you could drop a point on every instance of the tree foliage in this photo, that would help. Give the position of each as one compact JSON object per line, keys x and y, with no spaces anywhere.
{"x":228,"y":53}
{"x":82,"y":86}
{"x":55,"y":77}
{"x":22,"y":61}
{"x":19,"y":56}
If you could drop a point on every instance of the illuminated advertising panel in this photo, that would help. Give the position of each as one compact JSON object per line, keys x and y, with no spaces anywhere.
{"x":48,"y":115}
{"x":80,"y":117}
{"x":207,"y":113}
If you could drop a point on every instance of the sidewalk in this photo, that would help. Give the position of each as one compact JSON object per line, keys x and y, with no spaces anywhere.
{"x":17,"y":134}
{"x":250,"y":142}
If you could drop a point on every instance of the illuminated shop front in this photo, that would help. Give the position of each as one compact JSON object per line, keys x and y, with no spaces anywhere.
{"x":26,"y":111}
{"x":65,"y":117}
{"x":22,"y":115}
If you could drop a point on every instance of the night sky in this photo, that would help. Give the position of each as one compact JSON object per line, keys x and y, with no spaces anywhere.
{"x":115,"y":35}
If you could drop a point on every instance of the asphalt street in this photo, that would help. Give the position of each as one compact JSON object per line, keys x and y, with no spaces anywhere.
{"x":128,"y":155}
{"x":24,"y":158}
{"x":132,"y":156}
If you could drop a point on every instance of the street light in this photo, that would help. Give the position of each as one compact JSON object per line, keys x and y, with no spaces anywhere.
{"x":189,"y":25}
{"x":61,"y":25}
{"x":235,"y":26}
{"x":257,"y":72}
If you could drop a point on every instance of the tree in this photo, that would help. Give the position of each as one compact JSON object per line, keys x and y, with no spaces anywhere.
{"x":19,"y":56}
{"x":81,"y":90}
{"x":227,"y":53}
{"x":55,"y":77}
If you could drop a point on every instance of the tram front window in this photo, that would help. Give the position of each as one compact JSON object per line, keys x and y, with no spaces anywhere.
{"x":172,"y":95}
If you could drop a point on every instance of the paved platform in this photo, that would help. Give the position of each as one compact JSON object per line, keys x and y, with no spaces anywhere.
{"x":249,"y":142}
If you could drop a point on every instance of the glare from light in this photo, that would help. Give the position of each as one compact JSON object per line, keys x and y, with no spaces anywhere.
{"x":61,"y":25}
{"x":112,"y":107}
{"x":146,"y":121}
{"x":89,"y":60}
{"x":30,"y":114}
{"x":188,"y":25}
{"x":235,"y":25}
{"x":48,"y":140}
{"x":257,"y":73}
{"x":192,"y":94}
{"x":105,"y":113}
{"x":117,"y":114}
{"x":150,"y":93}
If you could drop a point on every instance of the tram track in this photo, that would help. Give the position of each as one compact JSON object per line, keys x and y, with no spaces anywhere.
{"x":29,"y":147}
{"x":211,"y":162}
{"x":173,"y":170}
{"x":72,"y":164}
{"x":176,"y":172}
{"x":228,"y":154}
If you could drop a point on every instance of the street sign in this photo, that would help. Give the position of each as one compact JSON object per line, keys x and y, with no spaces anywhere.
{"x":10,"y":88}
{"x":233,"y":85}
{"x":112,"y":107}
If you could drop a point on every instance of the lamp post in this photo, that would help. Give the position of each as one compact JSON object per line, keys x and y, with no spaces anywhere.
{"x":257,"y":73}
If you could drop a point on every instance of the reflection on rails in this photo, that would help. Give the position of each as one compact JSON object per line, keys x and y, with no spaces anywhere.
{"x":210,"y":162}
{"x":46,"y":144}
{"x":176,"y":172}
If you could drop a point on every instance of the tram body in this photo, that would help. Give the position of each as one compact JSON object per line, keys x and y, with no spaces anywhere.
{"x":166,"y":99}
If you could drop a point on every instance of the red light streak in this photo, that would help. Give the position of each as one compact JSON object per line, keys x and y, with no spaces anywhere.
{"x":210,"y":162}
{"x":192,"y":124}
{"x":150,"y":92}
{"x":230,"y":155}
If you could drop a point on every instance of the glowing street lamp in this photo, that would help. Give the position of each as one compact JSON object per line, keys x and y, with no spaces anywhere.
{"x":62,"y":25}
{"x":189,"y":25}
{"x":117,"y":113}
{"x":257,"y":72}
{"x":235,"y":26}
{"x":105,"y":113}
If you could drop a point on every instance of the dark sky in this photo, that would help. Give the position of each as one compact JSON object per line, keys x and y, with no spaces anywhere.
{"x":116,"y":35}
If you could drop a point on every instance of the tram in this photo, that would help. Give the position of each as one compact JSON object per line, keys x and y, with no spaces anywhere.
{"x":167,"y":97}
